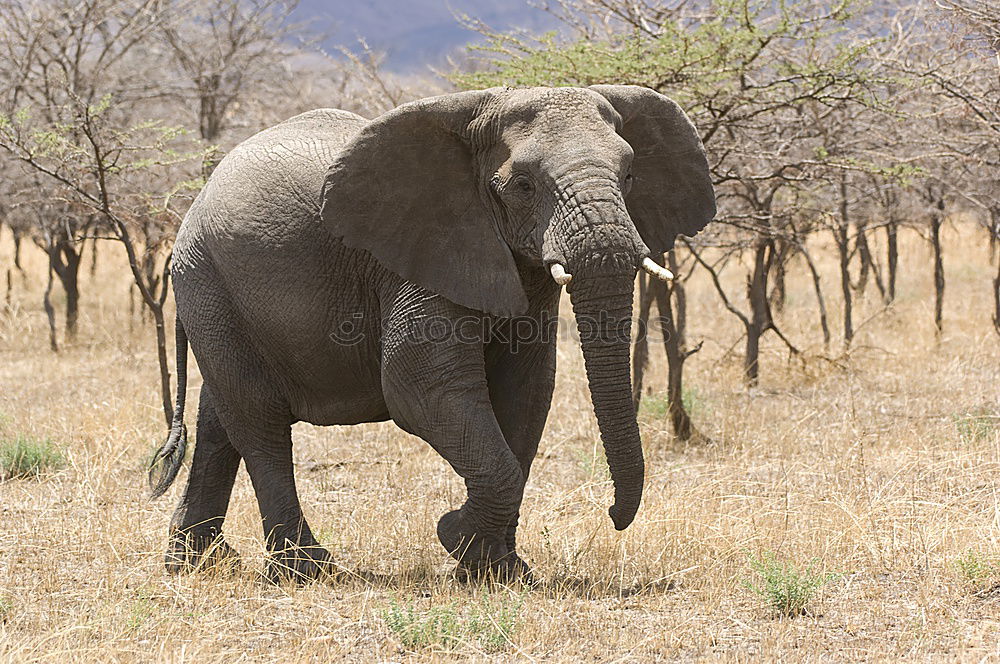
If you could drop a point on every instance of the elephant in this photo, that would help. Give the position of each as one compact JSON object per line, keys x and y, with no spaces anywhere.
{"x":311,"y":268}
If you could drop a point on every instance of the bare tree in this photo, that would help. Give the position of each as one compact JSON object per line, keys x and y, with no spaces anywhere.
{"x":975,"y":84}
{"x":228,"y":51}
{"x":69,"y":115}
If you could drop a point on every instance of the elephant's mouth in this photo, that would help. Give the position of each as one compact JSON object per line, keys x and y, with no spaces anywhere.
{"x":648,"y":265}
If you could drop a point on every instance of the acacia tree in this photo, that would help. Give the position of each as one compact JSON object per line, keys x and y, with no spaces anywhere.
{"x":956,"y":55}
{"x":60,"y":231}
{"x":116,"y":175}
{"x":45,"y":65}
{"x":80,"y":131}
{"x":743,"y":70}
{"x":245,"y":64}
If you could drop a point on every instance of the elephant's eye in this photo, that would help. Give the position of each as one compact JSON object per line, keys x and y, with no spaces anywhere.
{"x":627,"y":185}
{"x":523,"y":185}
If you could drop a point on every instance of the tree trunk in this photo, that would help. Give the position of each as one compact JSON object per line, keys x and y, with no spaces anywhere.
{"x":17,"y":253}
{"x":759,"y":312}
{"x":640,"y":352}
{"x":71,"y":284}
{"x":996,"y":300}
{"x":995,"y":255}
{"x":65,"y":262}
{"x":844,"y":251}
{"x":131,"y":311}
{"x":672,"y":319}
{"x":936,"y":220}
{"x":161,"y":353}
{"x":892,"y":259}
{"x":820,"y":301}
{"x":869,"y":267}
{"x":150,"y":279}
{"x":861,"y":246}
{"x":153,"y":290}
{"x":680,"y":419}
{"x":50,"y":312}
{"x":778,"y":291}
{"x":93,"y":258}
{"x":672,"y":302}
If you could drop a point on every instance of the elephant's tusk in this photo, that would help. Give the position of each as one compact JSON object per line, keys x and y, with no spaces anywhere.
{"x":657,"y":271}
{"x":560,"y":275}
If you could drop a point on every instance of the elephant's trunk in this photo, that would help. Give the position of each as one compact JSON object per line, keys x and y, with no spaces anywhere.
{"x":594,"y":240}
{"x":603,"y":309}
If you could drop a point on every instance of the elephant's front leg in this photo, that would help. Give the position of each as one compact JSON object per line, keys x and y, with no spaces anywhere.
{"x":521,"y":387}
{"x":521,"y":371}
{"x":434,"y":383}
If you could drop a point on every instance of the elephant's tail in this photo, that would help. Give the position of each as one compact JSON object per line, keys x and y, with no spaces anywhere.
{"x":167,"y":461}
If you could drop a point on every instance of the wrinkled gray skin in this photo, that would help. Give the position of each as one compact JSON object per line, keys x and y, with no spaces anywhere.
{"x":452,"y":207}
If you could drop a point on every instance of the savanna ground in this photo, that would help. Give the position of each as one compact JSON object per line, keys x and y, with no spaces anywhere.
{"x":874,"y":472}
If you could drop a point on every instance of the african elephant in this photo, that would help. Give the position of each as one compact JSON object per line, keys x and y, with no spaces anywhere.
{"x":307,"y":267}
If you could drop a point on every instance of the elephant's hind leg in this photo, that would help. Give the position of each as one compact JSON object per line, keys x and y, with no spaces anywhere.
{"x":256,"y":420}
{"x":265,"y":441}
{"x":196,"y":527}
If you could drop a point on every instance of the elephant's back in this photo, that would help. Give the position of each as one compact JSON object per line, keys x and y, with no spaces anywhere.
{"x":254,"y":240}
{"x":266,"y":190}
{"x":315,"y":136}
{"x":256,"y":220}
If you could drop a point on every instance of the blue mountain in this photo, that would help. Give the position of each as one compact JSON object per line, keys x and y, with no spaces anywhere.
{"x":415,"y":34}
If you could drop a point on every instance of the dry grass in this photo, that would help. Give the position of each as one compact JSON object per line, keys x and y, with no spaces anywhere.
{"x":880,"y":467}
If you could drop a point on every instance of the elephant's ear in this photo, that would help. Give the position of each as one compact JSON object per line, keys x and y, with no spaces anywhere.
{"x":671,"y":187}
{"x":405,"y":190}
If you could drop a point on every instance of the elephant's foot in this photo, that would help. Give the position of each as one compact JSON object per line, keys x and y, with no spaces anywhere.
{"x":480,"y":557}
{"x":194,"y":550}
{"x":510,"y":570}
{"x":299,"y":564}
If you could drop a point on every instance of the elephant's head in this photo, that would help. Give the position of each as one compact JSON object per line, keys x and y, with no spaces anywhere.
{"x":455,"y":193}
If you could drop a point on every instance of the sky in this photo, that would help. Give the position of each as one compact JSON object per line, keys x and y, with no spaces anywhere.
{"x":415,"y":33}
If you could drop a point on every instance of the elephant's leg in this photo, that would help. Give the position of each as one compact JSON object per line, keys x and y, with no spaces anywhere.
{"x":257,"y":418}
{"x":196,"y":527}
{"x":265,"y":442}
{"x":521,"y":381}
{"x":438,"y":391}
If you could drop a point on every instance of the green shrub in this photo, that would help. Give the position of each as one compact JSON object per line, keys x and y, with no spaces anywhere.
{"x":495,"y":620}
{"x":975,"y":569}
{"x":24,"y":457}
{"x":657,"y":406}
{"x":976,"y":426}
{"x":654,"y":406}
{"x":139,"y":613}
{"x":437,"y":625}
{"x":6,"y":608}
{"x":783,"y":587}
{"x":490,"y":624}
